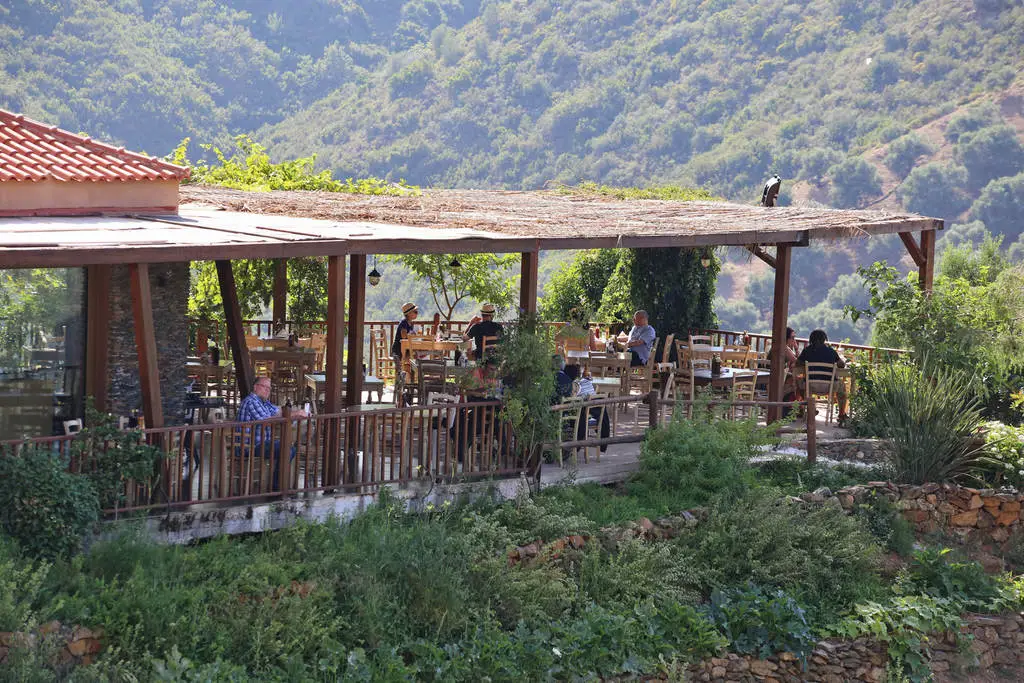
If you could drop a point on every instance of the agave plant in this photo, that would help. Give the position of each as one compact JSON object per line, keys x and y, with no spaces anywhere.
{"x":932,"y":417}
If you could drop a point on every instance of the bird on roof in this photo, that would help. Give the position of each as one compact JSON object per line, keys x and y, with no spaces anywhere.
{"x":771,"y":190}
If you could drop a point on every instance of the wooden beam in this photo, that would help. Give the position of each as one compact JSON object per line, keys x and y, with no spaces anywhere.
{"x":354,"y":382}
{"x":780,"y":313}
{"x":528,"y":281}
{"x":335,"y":332}
{"x":911,"y":244}
{"x":235,"y":329}
{"x":356,"y":313}
{"x":926,"y":272}
{"x":280,"y":300}
{"x":333,"y":365}
{"x":761,"y":254}
{"x":97,"y":334}
{"x":145,"y":345}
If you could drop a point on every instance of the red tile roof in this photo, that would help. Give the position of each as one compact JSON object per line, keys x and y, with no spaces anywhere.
{"x":30,"y":150}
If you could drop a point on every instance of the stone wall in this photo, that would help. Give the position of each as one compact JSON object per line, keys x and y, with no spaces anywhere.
{"x":832,"y":661}
{"x":856,"y":450}
{"x":169,"y":286}
{"x":964,"y":511}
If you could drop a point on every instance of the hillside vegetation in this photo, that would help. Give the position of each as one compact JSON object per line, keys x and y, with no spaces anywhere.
{"x":914,"y":105}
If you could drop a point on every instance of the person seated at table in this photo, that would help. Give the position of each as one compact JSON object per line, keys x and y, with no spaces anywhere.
{"x":481,"y":326}
{"x":257,"y":406}
{"x":584,"y":388}
{"x":640,"y":340}
{"x":790,"y":390}
{"x":409,"y":313}
{"x":818,"y":351}
{"x":563,"y":381}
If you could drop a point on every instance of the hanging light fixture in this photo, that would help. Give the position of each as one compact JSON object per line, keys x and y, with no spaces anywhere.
{"x":705,"y":258}
{"x":374,"y":276}
{"x":455,"y":265}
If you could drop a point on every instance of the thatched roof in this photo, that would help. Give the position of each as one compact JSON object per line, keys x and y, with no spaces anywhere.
{"x":216,"y":223}
{"x":553,"y":215}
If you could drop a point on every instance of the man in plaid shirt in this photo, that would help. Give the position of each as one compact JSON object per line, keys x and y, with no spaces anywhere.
{"x":257,"y":406}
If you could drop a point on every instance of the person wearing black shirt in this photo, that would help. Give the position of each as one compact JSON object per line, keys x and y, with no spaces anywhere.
{"x":481,"y":326}
{"x":818,"y":351}
{"x":409,"y":313}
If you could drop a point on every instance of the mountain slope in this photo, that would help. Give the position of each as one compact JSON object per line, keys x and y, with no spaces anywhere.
{"x":640,"y":91}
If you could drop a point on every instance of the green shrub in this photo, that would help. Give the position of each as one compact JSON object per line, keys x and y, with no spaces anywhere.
{"x":113,"y":456}
{"x":904,"y":625}
{"x":934,"y":572}
{"x":932,"y":418}
{"x":794,"y":475}
{"x":691,"y":462}
{"x":21,"y":584}
{"x":45,"y":508}
{"x":1004,"y":454}
{"x":888,"y":526}
{"x":820,"y":555}
{"x":761,"y":622}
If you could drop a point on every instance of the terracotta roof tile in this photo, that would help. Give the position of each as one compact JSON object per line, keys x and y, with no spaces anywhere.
{"x":30,"y":150}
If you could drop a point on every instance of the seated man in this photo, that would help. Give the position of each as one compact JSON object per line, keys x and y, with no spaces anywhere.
{"x":257,"y":406}
{"x":481,"y":326}
{"x":640,"y":340}
{"x":818,"y":351}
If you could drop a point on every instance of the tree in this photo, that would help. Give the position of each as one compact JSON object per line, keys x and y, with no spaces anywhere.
{"x":674,"y":288}
{"x":979,"y":265}
{"x":482,"y":277}
{"x":904,"y":152}
{"x":1001,"y":206}
{"x":852,"y":180}
{"x":990,"y":153}
{"x":935,"y":189}
{"x":580,"y":284}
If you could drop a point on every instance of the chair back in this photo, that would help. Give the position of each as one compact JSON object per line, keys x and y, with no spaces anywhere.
{"x":743,"y":389}
{"x":642,"y":378}
{"x":670,"y":341}
{"x":682,"y":354}
{"x":695,"y":365}
{"x":485,"y":343}
{"x":700,"y":346}
{"x":735,"y":355}
{"x":816,"y":377}
{"x":432,"y":378}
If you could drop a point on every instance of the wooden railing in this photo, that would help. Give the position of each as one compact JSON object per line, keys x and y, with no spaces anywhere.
{"x":358,"y":449}
{"x":762,"y":342}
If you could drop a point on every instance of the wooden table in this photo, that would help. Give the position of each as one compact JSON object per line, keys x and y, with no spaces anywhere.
{"x":205,"y":373}
{"x":317,"y":383}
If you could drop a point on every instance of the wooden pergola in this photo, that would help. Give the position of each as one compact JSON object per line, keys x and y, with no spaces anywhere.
{"x":223,"y":225}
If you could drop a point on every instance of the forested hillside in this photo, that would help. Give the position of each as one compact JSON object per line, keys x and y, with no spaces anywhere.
{"x":916,"y":104}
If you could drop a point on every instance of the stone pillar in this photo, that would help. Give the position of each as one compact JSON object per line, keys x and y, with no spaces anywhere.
{"x":169,"y":286}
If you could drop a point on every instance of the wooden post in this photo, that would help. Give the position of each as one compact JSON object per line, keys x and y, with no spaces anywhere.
{"x":780,"y":313}
{"x":354,"y":382}
{"x":333,"y":365}
{"x":286,"y":464}
{"x":235,"y":329}
{"x":528,"y":281}
{"x":97,"y":336}
{"x":356,"y":313}
{"x":145,"y":345}
{"x":812,"y":430}
{"x":926,"y":273}
{"x":280,"y":301}
{"x":654,"y":416}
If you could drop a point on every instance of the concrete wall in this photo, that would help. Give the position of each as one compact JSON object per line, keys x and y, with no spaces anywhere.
{"x":52,"y":197}
{"x":169,"y":285}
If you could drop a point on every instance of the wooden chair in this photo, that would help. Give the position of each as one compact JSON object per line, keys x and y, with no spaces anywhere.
{"x":735,"y":356}
{"x":682,"y":355}
{"x":318,"y":342}
{"x":485,"y":343}
{"x":700,"y":346}
{"x":252,"y":341}
{"x":743,"y":388}
{"x":432,"y":377}
{"x":823,"y":386}
{"x":695,"y":364}
{"x":381,"y":362}
{"x":664,"y":365}
{"x":641,"y":378}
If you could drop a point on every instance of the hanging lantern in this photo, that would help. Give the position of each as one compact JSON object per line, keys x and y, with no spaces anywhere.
{"x":374,"y":276}
{"x":455,"y":265}
{"x":705,"y":258}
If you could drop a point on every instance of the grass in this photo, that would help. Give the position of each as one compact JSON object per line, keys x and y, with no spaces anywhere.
{"x":431,"y":596}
